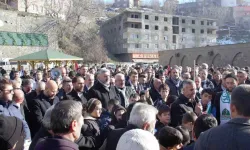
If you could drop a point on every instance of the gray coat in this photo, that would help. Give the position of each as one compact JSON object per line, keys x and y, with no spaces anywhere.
{"x":233,"y":135}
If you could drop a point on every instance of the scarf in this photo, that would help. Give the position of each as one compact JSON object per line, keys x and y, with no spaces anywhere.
{"x":225,"y":107}
{"x":176,"y":82}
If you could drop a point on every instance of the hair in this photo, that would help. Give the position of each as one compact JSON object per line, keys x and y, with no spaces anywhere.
{"x":189,"y":117}
{"x":208,"y":91}
{"x":242,"y":71}
{"x":113,"y":102}
{"x":188,"y":82}
{"x":133,"y":72}
{"x":164,"y":87}
{"x":91,"y":105}
{"x":203,"y":123}
{"x":163,"y":108}
{"x":142,"y":113}
{"x":67,"y":80}
{"x":116,"y":108}
{"x":47,"y":118}
{"x":26,"y":82}
{"x":185,"y":133}
{"x":142,"y":75}
{"x":102,"y":70}
{"x":231,"y":76}
{"x":240,"y":99}
{"x":74,"y":80}
{"x":63,"y":114}
{"x":168,"y":137}
{"x":40,"y":85}
{"x":72,"y":74}
{"x":4,"y":83}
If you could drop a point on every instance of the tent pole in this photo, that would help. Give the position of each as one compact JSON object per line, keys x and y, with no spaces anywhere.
{"x":19,"y":65}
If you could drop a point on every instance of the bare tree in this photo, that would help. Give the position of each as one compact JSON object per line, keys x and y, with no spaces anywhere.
{"x":74,"y":22}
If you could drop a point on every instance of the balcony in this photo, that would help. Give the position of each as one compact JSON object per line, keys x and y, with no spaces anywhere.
{"x":134,"y":20}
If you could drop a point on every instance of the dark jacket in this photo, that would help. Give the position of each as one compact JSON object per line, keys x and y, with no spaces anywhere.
{"x":128,"y":92}
{"x":216,"y":86}
{"x":56,"y":143}
{"x":215,"y":105}
{"x":207,"y":84}
{"x":115,"y":135}
{"x":62,"y":95}
{"x":39,"y":136}
{"x":179,"y":108}
{"x":98,"y":91}
{"x":233,"y":135}
{"x":189,"y":147}
{"x":158,"y":127}
{"x":154,"y":94}
{"x":174,"y":90}
{"x":74,"y":96}
{"x":38,"y":108}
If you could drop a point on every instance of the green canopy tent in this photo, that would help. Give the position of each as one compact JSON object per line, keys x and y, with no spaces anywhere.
{"x":45,"y":56}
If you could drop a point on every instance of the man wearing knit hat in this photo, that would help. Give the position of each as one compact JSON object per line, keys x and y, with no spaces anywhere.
{"x":11,"y":133}
{"x":138,"y":139}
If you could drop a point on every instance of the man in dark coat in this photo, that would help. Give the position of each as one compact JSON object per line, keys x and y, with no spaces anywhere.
{"x":174,"y":82}
{"x":154,"y":91}
{"x":102,"y":89}
{"x":67,"y":87}
{"x":41,"y":103}
{"x":65,"y":132}
{"x":124,"y":91}
{"x":225,"y":136}
{"x":77,"y":93}
{"x":185,"y":103}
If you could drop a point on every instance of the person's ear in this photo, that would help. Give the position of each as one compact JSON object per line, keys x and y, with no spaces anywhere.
{"x":73,"y":125}
{"x":145,"y":126}
{"x":233,"y":110}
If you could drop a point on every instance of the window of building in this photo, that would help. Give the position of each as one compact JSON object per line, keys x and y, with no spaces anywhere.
{"x":156,"y":28}
{"x":183,"y":21}
{"x":146,"y":17}
{"x":134,"y":25}
{"x":137,"y":45}
{"x":175,"y":30}
{"x":156,"y":18}
{"x":165,"y":38}
{"x":156,"y":37}
{"x":202,"y":31}
{"x":146,"y":26}
{"x":132,"y":16}
{"x":156,"y":46}
{"x":146,"y":37}
{"x":165,"y":19}
{"x":146,"y":45}
{"x":136,"y":16}
{"x":183,"y":30}
{"x":175,"y":20}
{"x":165,"y":28}
{"x":193,"y":21}
{"x":193,"y":30}
{"x":165,"y":46}
{"x":174,"y":38}
{"x":202,"y":22}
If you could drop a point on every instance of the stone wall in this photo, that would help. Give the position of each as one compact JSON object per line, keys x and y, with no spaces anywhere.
{"x":14,"y":21}
{"x":237,"y":55}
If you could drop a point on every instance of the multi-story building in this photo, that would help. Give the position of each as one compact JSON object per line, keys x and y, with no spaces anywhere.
{"x":138,"y":34}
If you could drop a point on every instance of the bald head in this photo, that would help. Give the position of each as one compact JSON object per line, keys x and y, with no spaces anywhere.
{"x":18,"y":96}
{"x":120,"y":80}
{"x":51,"y":89}
{"x":63,"y":71}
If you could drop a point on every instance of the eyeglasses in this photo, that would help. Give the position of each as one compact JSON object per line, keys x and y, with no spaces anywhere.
{"x":9,"y":91}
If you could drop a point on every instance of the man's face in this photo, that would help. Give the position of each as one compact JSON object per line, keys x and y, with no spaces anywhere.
{"x":79,"y":127}
{"x":7,"y":93}
{"x":67,"y":87}
{"x":231,"y":83}
{"x":142,"y":80}
{"x":134,"y":78}
{"x":16,"y":75}
{"x":205,"y":98}
{"x":105,"y":78}
{"x":39,"y":76}
{"x":164,"y":93}
{"x":63,"y":72}
{"x":84,"y":71}
{"x":162,"y":78}
{"x":189,"y":91}
{"x":203,"y":75}
{"x":198,"y":82}
{"x":120,"y":82}
{"x":90,"y":81}
{"x":164,"y":118}
{"x":27,"y":88}
{"x":241,"y":78}
{"x":175,"y":74}
{"x":79,"y":85}
{"x":51,"y":92}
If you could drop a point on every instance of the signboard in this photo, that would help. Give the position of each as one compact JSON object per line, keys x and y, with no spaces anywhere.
{"x":145,"y":55}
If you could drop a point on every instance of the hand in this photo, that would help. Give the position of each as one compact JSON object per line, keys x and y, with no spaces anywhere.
{"x":198,"y":109}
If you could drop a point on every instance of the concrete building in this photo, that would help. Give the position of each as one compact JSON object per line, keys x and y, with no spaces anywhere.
{"x":219,"y":56}
{"x":138,"y":35}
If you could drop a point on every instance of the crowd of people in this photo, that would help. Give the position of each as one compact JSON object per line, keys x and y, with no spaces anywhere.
{"x":126,"y":108}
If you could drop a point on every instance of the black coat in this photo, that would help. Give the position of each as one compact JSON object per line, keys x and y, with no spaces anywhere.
{"x":98,"y":91}
{"x":128,"y":92}
{"x":38,"y":108}
{"x":115,"y":135}
{"x":74,"y":96}
{"x":173,"y":89}
{"x":179,"y":108}
{"x":215,"y":104}
{"x":40,"y":135}
{"x":154,"y":94}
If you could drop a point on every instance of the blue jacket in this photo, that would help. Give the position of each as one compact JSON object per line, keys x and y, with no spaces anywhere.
{"x":10,"y":109}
